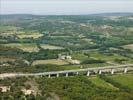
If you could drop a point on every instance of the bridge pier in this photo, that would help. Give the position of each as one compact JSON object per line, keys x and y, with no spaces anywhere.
{"x":77,"y":73}
{"x":112,"y":71}
{"x":66,"y":74}
{"x":100,"y":71}
{"x":57,"y":75}
{"x":88,"y":73}
{"x":125,"y":70}
{"x":49,"y":76}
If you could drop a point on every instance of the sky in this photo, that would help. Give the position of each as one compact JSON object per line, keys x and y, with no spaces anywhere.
{"x":64,"y":7}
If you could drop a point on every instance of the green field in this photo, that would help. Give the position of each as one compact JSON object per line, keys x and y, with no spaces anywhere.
{"x":25,"y":46}
{"x":102,"y":84}
{"x":123,"y":79}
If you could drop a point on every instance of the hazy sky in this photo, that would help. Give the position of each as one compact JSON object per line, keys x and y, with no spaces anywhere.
{"x":52,"y":7}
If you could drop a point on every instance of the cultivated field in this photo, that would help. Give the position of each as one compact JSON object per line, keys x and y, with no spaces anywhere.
{"x":30,"y":35}
{"x":50,"y":61}
{"x":52,"y":47}
{"x":25,"y":47}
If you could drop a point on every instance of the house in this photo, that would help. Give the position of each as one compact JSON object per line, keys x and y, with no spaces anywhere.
{"x":64,"y":57}
{"x":68,"y":57}
{"x":28,"y":91}
{"x":4,"y":88}
{"x":75,"y":62}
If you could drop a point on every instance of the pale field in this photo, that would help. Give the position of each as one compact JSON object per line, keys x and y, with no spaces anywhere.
{"x":52,"y":47}
{"x":32,"y":35}
{"x":130,"y":29}
{"x":25,"y":47}
{"x":7,"y":33}
{"x":50,"y":61}
{"x":87,"y":40}
{"x":130,"y":46}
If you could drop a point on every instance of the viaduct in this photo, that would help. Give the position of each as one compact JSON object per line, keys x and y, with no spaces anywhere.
{"x":66,"y":73}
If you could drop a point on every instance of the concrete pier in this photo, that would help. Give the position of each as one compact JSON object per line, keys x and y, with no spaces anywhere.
{"x":125,"y":70}
{"x":49,"y":76}
{"x":66,"y":74}
{"x":112,"y":71}
{"x":88,"y":73}
{"x":100,"y":71}
{"x":77,"y":73}
{"x":57,"y":75}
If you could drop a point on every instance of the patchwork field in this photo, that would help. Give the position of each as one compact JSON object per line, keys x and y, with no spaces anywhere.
{"x":52,"y":47}
{"x":25,"y":47}
{"x":51,"y":61}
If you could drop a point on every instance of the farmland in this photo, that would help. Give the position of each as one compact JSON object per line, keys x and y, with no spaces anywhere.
{"x":51,"y":61}
{"x":47,"y":46}
{"x":25,"y":47}
{"x":36,"y":44}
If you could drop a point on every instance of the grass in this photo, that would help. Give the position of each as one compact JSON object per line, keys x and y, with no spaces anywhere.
{"x":52,"y":47}
{"x":101,"y":83}
{"x":25,"y":46}
{"x":50,"y":61}
{"x":123,"y":79}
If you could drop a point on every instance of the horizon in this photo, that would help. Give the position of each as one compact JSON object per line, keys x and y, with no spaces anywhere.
{"x":65,"y":7}
{"x":74,"y":15}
